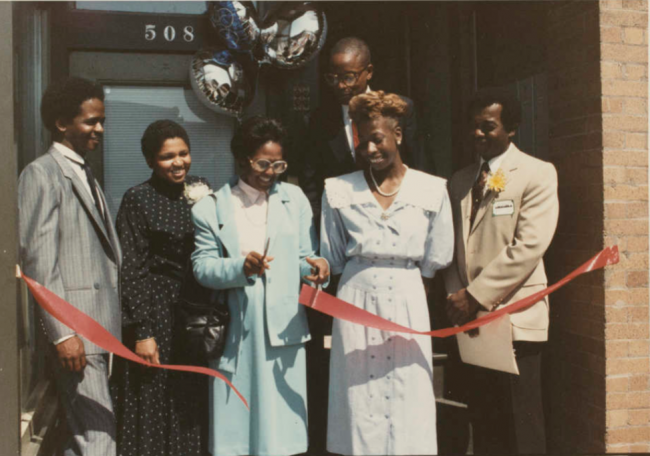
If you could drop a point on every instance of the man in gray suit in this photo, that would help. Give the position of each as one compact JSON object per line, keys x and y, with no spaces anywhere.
{"x":68,"y":244}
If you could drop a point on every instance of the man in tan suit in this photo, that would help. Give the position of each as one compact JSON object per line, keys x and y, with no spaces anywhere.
{"x":505,"y":213}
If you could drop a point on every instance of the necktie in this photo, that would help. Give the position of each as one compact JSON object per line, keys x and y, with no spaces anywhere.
{"x":93,"y":189}
{"x":477,"y":191}
{"x":355,"y":136}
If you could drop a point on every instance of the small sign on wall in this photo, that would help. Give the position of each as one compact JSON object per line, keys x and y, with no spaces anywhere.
{"x":169,"y":33}
{"x":83,"y":30}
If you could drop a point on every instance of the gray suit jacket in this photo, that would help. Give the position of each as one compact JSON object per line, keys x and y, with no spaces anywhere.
{"x":65,"y":246}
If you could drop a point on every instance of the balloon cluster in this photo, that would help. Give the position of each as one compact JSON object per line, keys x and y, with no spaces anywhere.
{"x":290,"y":36}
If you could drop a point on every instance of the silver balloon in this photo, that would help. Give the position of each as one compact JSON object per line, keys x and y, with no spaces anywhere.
{"x":236,"y":23}
{"x":220,"y":82}
{"x":293,"y":34}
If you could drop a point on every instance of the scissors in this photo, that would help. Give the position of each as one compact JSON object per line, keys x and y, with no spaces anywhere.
{"x":266,"y":249}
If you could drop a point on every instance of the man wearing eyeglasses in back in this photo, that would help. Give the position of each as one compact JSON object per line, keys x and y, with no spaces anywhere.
{"x":330,"y":148}
{"x":329,"y":152}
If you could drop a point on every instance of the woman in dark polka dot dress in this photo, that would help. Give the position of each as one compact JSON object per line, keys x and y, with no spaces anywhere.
{"x":158,"y":412}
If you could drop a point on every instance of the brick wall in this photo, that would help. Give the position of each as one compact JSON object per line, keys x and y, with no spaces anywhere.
{"x":624,"y":73}
{"x":575,"y":359}
{"x":598,"y":393}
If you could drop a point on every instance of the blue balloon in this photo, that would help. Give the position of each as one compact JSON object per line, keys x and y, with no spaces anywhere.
{"x":236,"y":23}
{"x":223,"y":57}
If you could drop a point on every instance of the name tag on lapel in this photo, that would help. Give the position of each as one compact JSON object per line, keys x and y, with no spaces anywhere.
{"x":505,"y":207}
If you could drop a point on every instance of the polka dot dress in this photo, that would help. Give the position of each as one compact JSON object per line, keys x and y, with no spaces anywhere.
{"x":158,"y":412}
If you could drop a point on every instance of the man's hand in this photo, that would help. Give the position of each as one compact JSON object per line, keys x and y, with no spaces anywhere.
{"x":320,"y":270}
{"x":148,"y":350}
{"x":255,"y":263}
{"x":72,"y":354}
{"x":462,"y":307}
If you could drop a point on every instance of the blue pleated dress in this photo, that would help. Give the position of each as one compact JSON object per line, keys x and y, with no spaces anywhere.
{"x":274,"y":382}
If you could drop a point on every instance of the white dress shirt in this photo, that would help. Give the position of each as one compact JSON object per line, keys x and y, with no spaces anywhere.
{"x":77,"y":162}
{"x":347,"y":123}
{"x":250,"y":217}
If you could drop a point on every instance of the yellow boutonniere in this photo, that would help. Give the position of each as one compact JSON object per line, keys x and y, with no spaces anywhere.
{"x":497,"y":182}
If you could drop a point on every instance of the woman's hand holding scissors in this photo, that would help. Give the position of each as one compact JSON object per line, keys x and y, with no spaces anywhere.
{"x":256,"y":263}
{"x":320,"y":270}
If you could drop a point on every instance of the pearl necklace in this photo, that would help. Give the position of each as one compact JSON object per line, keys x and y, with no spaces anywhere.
{"x":387,"y":195}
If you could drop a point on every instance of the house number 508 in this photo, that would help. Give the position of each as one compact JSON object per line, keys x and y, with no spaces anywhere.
{"x":169,"y":33}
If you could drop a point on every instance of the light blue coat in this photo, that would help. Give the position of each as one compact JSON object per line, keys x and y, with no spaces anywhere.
{"x":218,"y":263}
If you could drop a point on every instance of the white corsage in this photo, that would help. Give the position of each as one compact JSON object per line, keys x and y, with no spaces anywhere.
{"x":196,"y":192}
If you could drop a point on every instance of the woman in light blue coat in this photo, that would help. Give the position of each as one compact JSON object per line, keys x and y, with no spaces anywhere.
{"x":255,"y":238}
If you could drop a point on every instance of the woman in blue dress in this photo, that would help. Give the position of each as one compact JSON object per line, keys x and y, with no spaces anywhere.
{"x":385,"y":231}
{"x":255,"y":238}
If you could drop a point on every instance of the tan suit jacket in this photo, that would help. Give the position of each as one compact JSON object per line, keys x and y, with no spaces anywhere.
{"x":499,"y":260}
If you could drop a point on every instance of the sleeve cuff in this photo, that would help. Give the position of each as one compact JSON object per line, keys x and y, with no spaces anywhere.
{"x":63,"y":339}
{"x":143,"y":331}
{"x":244,"y":281}
{"x":429,"y":273}
{"x":486,"y":306}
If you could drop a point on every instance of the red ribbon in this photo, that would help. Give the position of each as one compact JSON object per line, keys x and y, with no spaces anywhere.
{"x":85,"y":326}
{"x":342,"y":310}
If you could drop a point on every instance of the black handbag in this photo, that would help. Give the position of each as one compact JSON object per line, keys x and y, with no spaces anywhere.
{"x":201,"y":320}
{"x":202,"y":317}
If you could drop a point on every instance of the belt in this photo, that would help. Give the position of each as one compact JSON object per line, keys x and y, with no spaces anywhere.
{"x":398,"y":262}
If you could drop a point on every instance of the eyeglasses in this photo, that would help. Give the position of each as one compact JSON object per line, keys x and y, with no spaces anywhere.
{"x":263,"y":164}
{"x":348,"y":79}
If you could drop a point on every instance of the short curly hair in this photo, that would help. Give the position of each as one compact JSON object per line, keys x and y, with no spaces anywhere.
{"x":253,"y":133}
{"x":372,"y":105}
{"x":63,"y":99}
{"x":510,"y":106}
{"x":157,"y":133}
{"x":352,"y":45}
